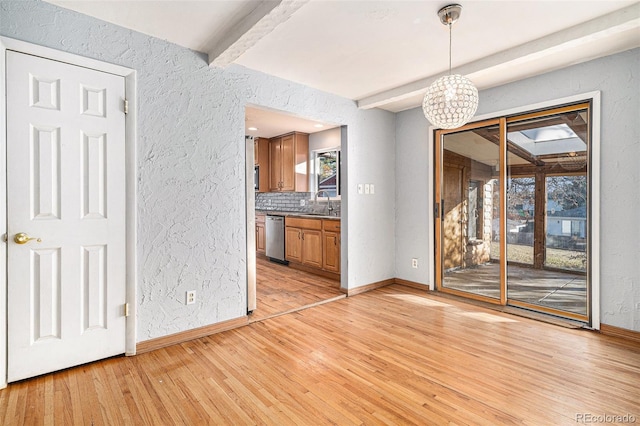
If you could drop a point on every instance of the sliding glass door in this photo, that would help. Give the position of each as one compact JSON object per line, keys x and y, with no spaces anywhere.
{"x":548,"y":207}
{"x":469,"y":194}
{"x":512,"y":222}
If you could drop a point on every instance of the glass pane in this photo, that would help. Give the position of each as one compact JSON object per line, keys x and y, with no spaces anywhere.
{"x":328,"y":166}
{"x":471,"y":213}
{"x":520,"y":212}
{"x":566,"y":239}
{"x":547,"y":220}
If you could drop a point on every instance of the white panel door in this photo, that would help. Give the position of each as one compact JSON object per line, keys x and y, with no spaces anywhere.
{"x":66,"y":190}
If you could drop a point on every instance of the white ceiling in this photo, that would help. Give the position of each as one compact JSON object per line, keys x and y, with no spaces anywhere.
{"x":271,"y":123}
{"x":382,"y":53}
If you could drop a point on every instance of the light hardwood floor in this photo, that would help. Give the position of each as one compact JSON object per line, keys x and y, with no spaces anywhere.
{"x":281,"y":289}
{"x":390,"y":356}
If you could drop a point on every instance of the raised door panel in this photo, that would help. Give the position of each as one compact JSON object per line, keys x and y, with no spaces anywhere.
{"x":331,"y":259}
{"x":312,"y":248}
{"x":287,"y":152}
{"x":275,"y":164}
{"x":260,"y":238}
{"x":293,"y":244}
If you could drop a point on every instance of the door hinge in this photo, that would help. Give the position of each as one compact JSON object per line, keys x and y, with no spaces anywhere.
{"x":126,"y":106}
{"x":126,"y":309}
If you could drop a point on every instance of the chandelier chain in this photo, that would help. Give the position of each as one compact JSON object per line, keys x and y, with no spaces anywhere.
{"x":449,"y":48}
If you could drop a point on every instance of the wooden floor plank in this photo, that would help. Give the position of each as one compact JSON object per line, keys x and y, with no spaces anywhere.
{"x":281,"y":289}
{"x":390,"y":356}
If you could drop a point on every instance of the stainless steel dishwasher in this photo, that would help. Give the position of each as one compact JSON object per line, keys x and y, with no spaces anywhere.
{"x":275,"y":238}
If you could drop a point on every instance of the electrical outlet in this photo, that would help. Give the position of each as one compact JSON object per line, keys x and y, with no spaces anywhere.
{"x":191,"y":297}
{"x":638,"y":306}
{"x":414,"y":263}
{"x":302,"y":203}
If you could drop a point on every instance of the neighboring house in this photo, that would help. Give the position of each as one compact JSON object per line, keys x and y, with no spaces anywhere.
{"x":568,"y":222}
{"x":328,"y":185}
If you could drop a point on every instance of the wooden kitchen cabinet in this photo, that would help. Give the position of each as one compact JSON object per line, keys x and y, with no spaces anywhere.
{"x":331,"y":245}
{"x":289,"y":162}
{"x":255,"y":152}
{"x":303,"y":241}
{"x":313,"y":244}
{"x":261,"y":242}
{"x":312,"y":247}
{"x":293,"y":244}
{"x":261,"y":152}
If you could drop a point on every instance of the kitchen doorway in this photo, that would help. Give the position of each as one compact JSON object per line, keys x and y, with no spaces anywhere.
{"x":515,"y":222}
{"x":307,"y":272}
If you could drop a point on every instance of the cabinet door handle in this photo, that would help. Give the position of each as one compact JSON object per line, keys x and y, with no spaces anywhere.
{"x":335,"y":241}
{"x":303,"y":235}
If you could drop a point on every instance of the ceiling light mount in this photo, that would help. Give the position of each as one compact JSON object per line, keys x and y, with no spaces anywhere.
{"x":452,"y":100}
{"x":450,"y":14}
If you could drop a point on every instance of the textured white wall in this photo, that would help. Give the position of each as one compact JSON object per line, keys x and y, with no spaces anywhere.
{"x":618,"y":78}
{"x":326,"y":139}
{"x":412,"y":185}
{"x":191,"y":180}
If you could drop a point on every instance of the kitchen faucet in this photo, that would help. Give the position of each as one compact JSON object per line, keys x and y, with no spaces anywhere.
{"x":329,"y":206}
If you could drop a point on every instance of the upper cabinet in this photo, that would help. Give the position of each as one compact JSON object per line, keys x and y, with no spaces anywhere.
{"x":289,"y":162}
{"x":261,"y":156}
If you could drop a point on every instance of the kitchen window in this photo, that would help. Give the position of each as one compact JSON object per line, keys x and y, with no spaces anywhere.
{"x":327,"y":172}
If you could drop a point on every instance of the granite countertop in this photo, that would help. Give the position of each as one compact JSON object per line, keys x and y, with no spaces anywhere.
{"x":297,"y":214}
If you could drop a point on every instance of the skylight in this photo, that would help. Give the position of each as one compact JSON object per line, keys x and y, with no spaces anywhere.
{"x":536,"y":141}
{"x":550,"y":133}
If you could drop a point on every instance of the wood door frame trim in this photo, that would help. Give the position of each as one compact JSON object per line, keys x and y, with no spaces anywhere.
{"x":130,"y":78}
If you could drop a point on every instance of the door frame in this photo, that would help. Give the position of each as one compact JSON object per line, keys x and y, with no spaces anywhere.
{"x":130,"y":168}
{"x":594,"y":206}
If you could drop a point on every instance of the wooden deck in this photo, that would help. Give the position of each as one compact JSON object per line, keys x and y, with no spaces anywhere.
{"x":390,"y":356}
{"x":553,"y":289}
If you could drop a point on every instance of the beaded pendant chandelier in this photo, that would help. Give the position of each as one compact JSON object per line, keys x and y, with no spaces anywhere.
{"x":452,"y":100}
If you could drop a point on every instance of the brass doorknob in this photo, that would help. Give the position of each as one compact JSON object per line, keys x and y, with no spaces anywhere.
{"x":22,"y":238}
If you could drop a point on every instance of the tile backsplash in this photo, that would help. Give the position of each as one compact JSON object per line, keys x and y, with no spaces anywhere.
{"x":291,"y":202}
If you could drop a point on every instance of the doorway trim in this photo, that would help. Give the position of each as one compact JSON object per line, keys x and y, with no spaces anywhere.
{"x":131,"y":187}
{"x":594,"y":98}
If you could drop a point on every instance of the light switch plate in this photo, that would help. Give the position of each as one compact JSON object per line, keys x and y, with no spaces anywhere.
{"x":360,"y":188}
{"x":372,"y":189}
{"x":366,"y":188}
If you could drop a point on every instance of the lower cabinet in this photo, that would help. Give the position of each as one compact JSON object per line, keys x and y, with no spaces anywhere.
{"x":312,"y":247}
{"x":261,"y":242}
{"x":313,"y":242}
{"x":303,"y":241}
{"x":293,"y":244}
{"x":331,"y":245}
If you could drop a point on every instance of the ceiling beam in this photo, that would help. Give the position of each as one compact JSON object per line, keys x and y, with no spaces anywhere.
{"x":256,"y":25}
{"x":596,"y":29}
